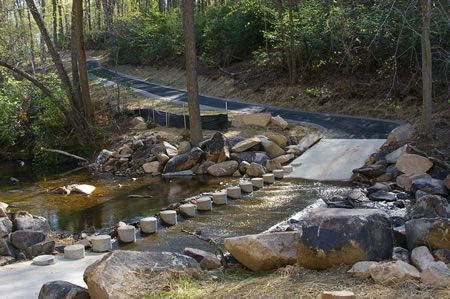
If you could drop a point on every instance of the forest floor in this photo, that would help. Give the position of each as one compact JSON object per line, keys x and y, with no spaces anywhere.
{"x":361,"y":96}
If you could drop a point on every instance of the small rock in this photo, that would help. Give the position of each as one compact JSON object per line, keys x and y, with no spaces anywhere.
{"x":442,"y":255}
{"x":400,"y":254}
{"x":83,"y":189}
{"x":5,"y":226}
{"x":253,"y":119}
{"x":393,"y":272}
{"x":382,"y":196}
{"x":237,"y":174}
{"x":279,"y":121}
{"x":210,"y":263}
{"x":44,"y":260}
{"x":411,"y":163}
{"x":62,"y":289}
{"x":337,"y":295}
{"x":5,"y":260}
{"x":280,"y":140}
{"x":393,"y":156}
{"x":361,"y":269}
{"x":152,"y":167}
{"x":378,"y":187}
{"x":387,"y":177}
{"x":401,"y":135}
{"x":184,"y":147}
{"x":421,"y":258}
{"x":433,"y":186}
{"x":203,"y":168}
{"x":431,"y":232}
{"x":283,"y":158}
{"x":171,"y":150}
{"x":371,"y":171}
{"x":437,"y":274}
{"x":429,"y":206}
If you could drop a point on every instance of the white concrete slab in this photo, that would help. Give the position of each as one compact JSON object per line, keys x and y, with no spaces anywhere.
{"x":334,"y":159}
{"x":24,"y":280}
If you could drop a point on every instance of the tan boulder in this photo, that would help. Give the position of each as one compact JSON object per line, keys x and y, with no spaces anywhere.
{"x":401,"y":135}
{"x":264,"y":252}
{"x":152,"y":167}
{"x":338,"y":295}
{"x":437,"y":274}
{"x":171,"y":150}
{"x":255,"y":170}
{"x":393,"y":271}
{"x":279,"y":122}
{"x":307,"y":141}
{"x":252,"y":119}
{"x":245,"y":144}
{"x":223,"y":169}
{"x":411,"y":163}
{"x":272,"y":149}
{"x":421,"y":258}
{"x":284,"y":158}
{"x":184,"y":147}
{"x":361,"y":269}
{"x":405,"y":180}
{"x":272,"y":165}
{"x":280,"y":140}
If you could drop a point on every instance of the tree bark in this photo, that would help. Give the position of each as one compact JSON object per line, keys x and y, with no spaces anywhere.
{"x":60,"y":17}
{"x":55,"y":24}
{"x":32,"y":57}
{"x":286,"y":58}
{"x":32,"y":79}
{"x":293,"y":69}
{"x":42,"y":42}
{"x":426,"y":68}
{"x":195,"y":122}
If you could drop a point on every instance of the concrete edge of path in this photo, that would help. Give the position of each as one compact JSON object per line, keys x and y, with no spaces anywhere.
{"x":24,"y":280}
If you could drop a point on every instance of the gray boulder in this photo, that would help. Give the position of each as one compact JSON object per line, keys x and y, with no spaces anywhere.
{"x":6,"y":248}
{"x":382,"y":196}
{"x":22,"y":239}
{"x":59,"y":289}
{"x":22,"y":220}
{"x":421,"y":258}
{"x":223,"y":169}
{"x":203,"y":168}
{"x":44,"y":247}
{"x":5,"y":226}
{"x":433,"y":186}
{"x":257,"y":157}
{"x":344,"y":236}
{"x":271,"y":148}
{"x":126,"y":274}
{"x":429,"y":206}
{"x":197,"y":254}
{"x":401,"y":135}
{"x":401,"y":254}
{"x":442,"y":255}
{"x":371,"y":171}
{"x":431,"y":232}
{"x":185,"y":161}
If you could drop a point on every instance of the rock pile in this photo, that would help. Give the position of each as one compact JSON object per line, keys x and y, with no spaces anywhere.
{"x":219,"y":155}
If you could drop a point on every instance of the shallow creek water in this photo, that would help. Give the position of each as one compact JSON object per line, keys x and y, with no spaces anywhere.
{"x":110,"y":203}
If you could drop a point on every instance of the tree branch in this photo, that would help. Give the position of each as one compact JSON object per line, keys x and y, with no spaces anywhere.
{"x":27,"y":76}
{"x":64,"y":153}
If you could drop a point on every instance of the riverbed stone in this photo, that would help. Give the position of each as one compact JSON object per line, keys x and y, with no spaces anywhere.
{"x":44,"y":247}
{"x":344,"y":236}
{"x":430,"y":232}
{"x":271,"y":148}
{"x":382,"y":196}
{"x":412,"y":163}
{"x":22,"y":220}
{"x":223,"y":169}
{"x":6,"y":248}
{"x":264,"y":252}
{"x":405,"y":180}
{"x":421,"y":257}
{"x":22,"y":239}
{"x":371,"y":171}
{"x":185,"y":161}
{"x":437,"y":274}
{"x":203,"y":168}
{"x":59,"y":289}
{"x":257,"y":157}
{"x":126,"y":274}
{"x":151,"y":167}
{"x":429,"y":206}
{"x":283,"y":159}
{"x":393,"y":156}
{"x":5,"y":226}
{"x":387,"y":272}
{"x":251,"y":119}
{"x":255,"y":170}
{"x":361,"y":269}
{"x":429,"y":185}
{"x":280,"y":140}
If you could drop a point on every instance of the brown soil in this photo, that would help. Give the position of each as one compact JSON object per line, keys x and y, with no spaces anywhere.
{"x":287,"y":282}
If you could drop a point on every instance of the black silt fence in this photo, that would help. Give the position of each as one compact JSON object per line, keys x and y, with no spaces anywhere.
{"x":217,"y":122}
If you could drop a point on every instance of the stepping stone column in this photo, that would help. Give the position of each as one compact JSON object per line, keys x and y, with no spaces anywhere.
{"x":246,"y":187}
{"x":234,"y":192}
{"x":204,"y":204}
{"x":74,"y":252}
{"x":220,"y":198}
{"x":168,"y":217}
{"x":278,"y":173}
{"x":101,"y":243}
{"x":149,"y":225}
{"x":269,"y":178}
{"x":127,"y":233}
{"x":187,"y":210}
{"x":257,"y":183}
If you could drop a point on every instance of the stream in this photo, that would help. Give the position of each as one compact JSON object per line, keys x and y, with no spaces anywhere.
{"x":111,"y":202}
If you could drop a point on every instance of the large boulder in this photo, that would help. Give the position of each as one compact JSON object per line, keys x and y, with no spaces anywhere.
{"x":245,"y":144}
{"x":405,"y":180}
{"x":203,"y":168}
{"x":253,"y":119}
{"x":344,"y":236}
{"x":5,"y":226}
{"x":185,"y":161}
{"x":151,"y":167}
{"x":264,"y":252}
{"x":271,"y":148}
{"x":44,"y":247}
{"x":23,"y":220}
{"x":59,"y":289}
{"x":437,"y":273}
{"x":411,"y":163}
{"x":430,"y":232}
{"x":393,"y":156}
{"x":255,"y":170}
{"x":429,"y":185}
{"x":371,"y":171}
{"x":279,"y":122}
{"x":218,"y":145}
{"x":401,"y":135}
{"x":22,"y":239}
{"x":126,"y":274}
{"x":257,"y":157}
{"x":429,"y":206}
{"x":386,"y":272}
{"x":307,"y":141}
{"x":421,"y":258}
{"x":280,"y":140}
{"x":223,"y":169}
{"x":6,"y":248}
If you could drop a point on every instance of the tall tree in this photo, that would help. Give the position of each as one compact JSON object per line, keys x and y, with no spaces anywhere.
{"x":426,"y":68}
{"x":293,"y":67}
{"x":195,"y":122}
{"x":55,"y":24}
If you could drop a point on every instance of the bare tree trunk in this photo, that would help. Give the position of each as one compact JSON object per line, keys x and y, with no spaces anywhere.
{"x":195,"y":122}
{"x":84,"y":81}
{"x":32,"y":79}
{"x":55,"y":24}
{"x":33,"y":58}
{"x":283,"y":34}
{"x":426,"y":68}
{"x":293,"y":69}
{"x":60,"y":17}
{"x":42,"y":42}
{"x":107,"y":11}
{"x":75,"y":69}
{"x":98,"y":9}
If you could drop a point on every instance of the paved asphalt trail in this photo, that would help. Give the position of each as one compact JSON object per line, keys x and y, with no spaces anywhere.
{"x":337,"y":126}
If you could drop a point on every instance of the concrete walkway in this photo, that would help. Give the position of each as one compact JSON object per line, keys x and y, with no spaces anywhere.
{"x":334,"y":159}
{"x":24,"y":280}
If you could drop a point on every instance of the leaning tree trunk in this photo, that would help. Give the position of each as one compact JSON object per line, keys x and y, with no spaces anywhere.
{"x":195,"y":122}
